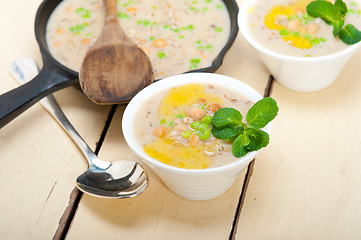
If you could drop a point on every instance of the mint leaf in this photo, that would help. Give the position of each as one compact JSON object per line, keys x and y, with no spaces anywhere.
{"x":350,"y":35}
{"x":227,"y":117}
{"x":322,"y":9}
{"x":259,"y":138}
{"x":227,"y":133}
{"x":250,"y":140}
{"x":227,"y":125}
{"x":262,"y":112}
{"x":239,"y":146}
{"x":340,"y":9}
{"x":337,"y":25}
{"x":334,"y":14}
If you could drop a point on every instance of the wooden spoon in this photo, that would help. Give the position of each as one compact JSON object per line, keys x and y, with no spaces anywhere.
{"x":114,"y":69}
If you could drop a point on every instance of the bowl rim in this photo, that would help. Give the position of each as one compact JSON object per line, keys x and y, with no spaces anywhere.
{"x":242,"y":24}
{"x":178,"y":80}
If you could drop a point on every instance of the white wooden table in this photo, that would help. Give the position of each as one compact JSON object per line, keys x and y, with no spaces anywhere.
{"x":304,"y":185}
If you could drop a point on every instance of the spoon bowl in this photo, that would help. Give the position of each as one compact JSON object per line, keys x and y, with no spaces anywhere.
{"x":120,"y":179}
{"x":115,"y":68}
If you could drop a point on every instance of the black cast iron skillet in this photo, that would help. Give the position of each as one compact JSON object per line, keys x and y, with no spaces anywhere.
{"x":55,"y":76}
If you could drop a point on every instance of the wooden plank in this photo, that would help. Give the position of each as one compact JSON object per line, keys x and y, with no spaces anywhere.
{"x":305,"y":185}
{"x":158,"y":213}
{"x":155,"y":214}
{"x":39,"y":162}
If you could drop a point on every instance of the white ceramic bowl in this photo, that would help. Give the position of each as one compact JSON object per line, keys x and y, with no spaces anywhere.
{"x":193,"y":184}
{"x":297,"y":73}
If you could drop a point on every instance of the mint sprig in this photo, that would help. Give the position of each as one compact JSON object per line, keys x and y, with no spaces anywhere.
{"x":227,"y":125}
{"x":334,"y":14}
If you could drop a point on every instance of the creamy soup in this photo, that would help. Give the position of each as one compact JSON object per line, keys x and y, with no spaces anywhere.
{"x":175,"y":126}
{"x":178,"y":36}
{"x":284,"y":26}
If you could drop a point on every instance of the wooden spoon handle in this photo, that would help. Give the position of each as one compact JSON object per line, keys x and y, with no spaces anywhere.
{"x":111,"y":9}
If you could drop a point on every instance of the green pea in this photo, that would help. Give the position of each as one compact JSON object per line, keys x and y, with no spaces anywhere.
{"x":207,"y":120}
{"x":161,"y":55}
{"x":315,"y":41}
{"x":186,"y":134}
{"x":218,"y":29}
{"x":193,"y":67}
{"x":146,"y":23}
{"x":193,"y":9}
{"x":123,"y":15}
{"x":284,"y":32}
{"x":162,"y":121}
{"x":308,"y":37}
{"x":209,"y":47}
{"x":205,"y":134}
{"x":195,"y":60}
{"x":295,"y":16}
{"x":202,"y":127}
{"x":80,"y":10}
{"x":195,"y":124}
{"x":179,"y":116}
{"x":190,"y":27}
{"x":171,"y":124}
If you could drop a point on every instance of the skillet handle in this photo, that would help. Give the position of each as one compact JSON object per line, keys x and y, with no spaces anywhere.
{"x":16,"y":101}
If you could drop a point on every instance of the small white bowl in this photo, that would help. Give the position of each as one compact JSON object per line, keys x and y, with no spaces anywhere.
{"x":297,"y":73}
{"x":193,"y":184}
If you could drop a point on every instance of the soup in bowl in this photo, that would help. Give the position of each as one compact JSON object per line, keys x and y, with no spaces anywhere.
{"x":299,"y":50}
{"x":161,"y":124}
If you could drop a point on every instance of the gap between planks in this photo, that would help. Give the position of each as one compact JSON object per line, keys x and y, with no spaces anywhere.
{"x":248,"y":175}
{"x":75,"y":196}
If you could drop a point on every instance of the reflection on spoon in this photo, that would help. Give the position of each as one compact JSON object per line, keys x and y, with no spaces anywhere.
{"x":121,"y":179}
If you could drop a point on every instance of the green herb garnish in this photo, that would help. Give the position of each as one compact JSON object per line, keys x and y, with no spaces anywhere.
{"x":227,"y":125}
{"x":334,"y":14}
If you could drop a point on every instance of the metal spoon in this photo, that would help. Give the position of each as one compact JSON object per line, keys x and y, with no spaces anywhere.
{"x":121,"y":179}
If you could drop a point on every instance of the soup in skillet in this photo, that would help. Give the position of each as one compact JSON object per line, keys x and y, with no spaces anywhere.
{"x":178,"y":36}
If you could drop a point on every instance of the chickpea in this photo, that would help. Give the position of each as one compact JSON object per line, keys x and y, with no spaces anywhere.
{"x":294,"y":24}
{"x":194,"y":140}
{"x":161,"y":131}
{"x":159,"y":43}
{"x":180,"y":127}
{"x":312,"y":28}
{"x":196,"y":113}
{"x":213,"y":107}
